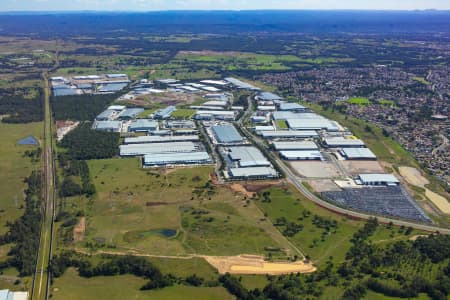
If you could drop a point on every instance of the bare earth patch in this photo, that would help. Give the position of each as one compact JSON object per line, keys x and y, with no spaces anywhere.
{"x":414,"y":177}
{"x":168,"y":98}
{"x":64,"y":127}
{"x":79,"y":229}
{"x":362,"y":166}
{"x":323,"y":185}
{"x":314,"y":169}
{"x":256,"y":265}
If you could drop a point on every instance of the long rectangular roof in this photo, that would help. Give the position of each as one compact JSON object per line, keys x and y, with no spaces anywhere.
{"x":358,"y":153}
{"x":241,"y":84}
{"x":313,"y":124}
{"x":253,"y":172}
{"x":176,"y":158}
{"x":304,"y":154}
{"x":166,"y":112}
{"x":143,"y":124}
{"x":106,"y":114}
{"x":108,"y":125}
{"x":227,"y":134}
{"x":266,"y":96}
{"x":142,"y":149}
{"x":288,"y":134}
{"x":291,"y":106}
{"x":297,"y":145}
{"x":131,"y":112}
{"x":161,"y":139}
{"x":388,"y":178}
{"x":284,"y":115}
{"x":343,"y":142}
{"x":248,"y":156}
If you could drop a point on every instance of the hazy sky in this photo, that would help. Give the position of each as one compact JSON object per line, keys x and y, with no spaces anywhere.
{"x":148,"y":5}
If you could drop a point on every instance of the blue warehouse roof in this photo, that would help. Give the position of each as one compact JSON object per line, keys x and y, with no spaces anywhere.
{"x":227,"y":134}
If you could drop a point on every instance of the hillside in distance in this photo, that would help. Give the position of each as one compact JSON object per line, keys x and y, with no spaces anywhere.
{"x":64,"y":24}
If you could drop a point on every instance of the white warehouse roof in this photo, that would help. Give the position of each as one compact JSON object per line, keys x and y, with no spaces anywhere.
{"x":358,"y":153}
{"x":253,"y":172}
{"x":301,"y":155}
{"x":313,"y":124}
{"x":176,"y":158}
{"x":378,"y":178}
{"x":248,"y":156}
{"x":297,"y":145}
{"x":142,"y":149}
{"x":289,"y":134}
{"x":161,"y":139}
{"x":343,"y":142}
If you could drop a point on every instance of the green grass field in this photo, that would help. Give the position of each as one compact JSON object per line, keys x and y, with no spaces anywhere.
{"x":290,"y":204}
{"x":133,"y":204}
{"x":421,"y":80}
{"x":386,"y":102}
{"x":282,"y":124}
{"x":14,"y":168}
{"x":359,"y":101}
{"x":73,"y":287}
{"x":183,"y":113}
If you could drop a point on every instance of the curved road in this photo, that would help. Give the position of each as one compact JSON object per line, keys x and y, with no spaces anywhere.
{"x":350,"y":213}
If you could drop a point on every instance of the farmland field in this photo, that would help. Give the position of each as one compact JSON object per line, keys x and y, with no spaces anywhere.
{"x":14,"y":168}
{"x":135,"y":208}
{"x":73,"y":287}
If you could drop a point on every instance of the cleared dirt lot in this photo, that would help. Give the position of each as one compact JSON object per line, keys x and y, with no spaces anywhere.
{"x":167,"y":98}
{"x":323,"y":185}
{"x":355,"y":167}
{"x":250,"y":264}
{"x":414,"y":177}
{"x":314,"y":169}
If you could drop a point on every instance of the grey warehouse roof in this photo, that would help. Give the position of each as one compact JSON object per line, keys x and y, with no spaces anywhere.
{"x":301,"y":145}
{"x":288,"y":134}
{"x":108,"y":125}
{"x":248,"y":156}
{"x":253,"y":172}
{"x":161,"y":139}
{"x":358,"y":153}
{"x":368,"y":178}
{"x":313,"y":124}
{"x":343,"y":142}
{"x":131,"y":113}
{"x":176,"y":158}
{"x":143,"y":124}
{"x":227,"y":134}
{"x":266,"y":96}
{"x":107,"y":114}
{"x":291,"y":106}
{"x":142,"y":149}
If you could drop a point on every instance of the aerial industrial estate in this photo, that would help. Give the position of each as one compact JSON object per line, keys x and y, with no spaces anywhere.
{"x":204,"y":155}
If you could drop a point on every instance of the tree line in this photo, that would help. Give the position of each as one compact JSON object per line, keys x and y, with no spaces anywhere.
{"x":23,"y":233}
{"x":80,"y":108}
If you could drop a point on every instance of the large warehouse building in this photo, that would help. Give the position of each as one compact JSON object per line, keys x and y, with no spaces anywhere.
{"x":247,"y":156}
{"x":295,"y":145}
{"x":313,"y":124}
{"x":226,"y":135}
{"x":161,"y":139}
{"x":301,"y":155}
{"x":357,"y":154}
{"x":108,"y":126}
{"x":378,"y":179}
{"x":289,"y":134}
{"x":342,"y":142}
{"x":252,"y":173}
{"x":143,"y":149}
{"x":143,"y":125}
{"x":163,"y":159}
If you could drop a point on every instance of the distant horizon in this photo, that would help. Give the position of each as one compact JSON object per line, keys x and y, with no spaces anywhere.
{"x":216,"y":5}
{"x":216,"y":10}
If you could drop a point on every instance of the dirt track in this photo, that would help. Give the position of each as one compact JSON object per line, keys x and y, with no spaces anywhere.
{"x":241,"y":264}
{"x":256,"y":265}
